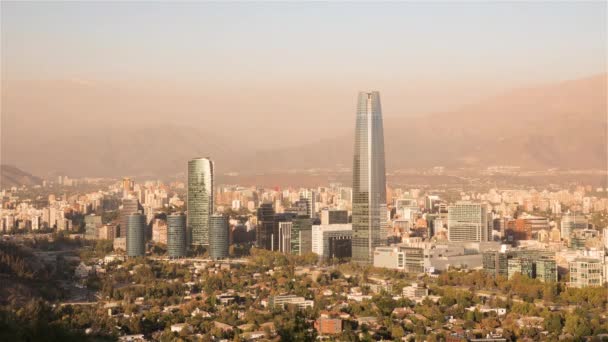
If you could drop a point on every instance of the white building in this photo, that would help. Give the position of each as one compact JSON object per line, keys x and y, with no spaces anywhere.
{"x":324,"y":235}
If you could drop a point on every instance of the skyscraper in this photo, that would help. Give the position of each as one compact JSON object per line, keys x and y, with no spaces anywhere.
{"x":218,"y":237}
{"x":265,"y":227}
{"x":129,"y":206}
{"x":369,"y":179}
{"x":136,"y":238}
{"x":176,"y":235}
{"x":200,"y":200}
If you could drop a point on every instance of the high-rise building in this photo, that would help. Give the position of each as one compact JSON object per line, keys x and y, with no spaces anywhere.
{"x":136,"y":235}
{"x":309,"y":197}
{"x":265,"y":226}
{"x":218,"y":237}
{"x":285,"y":228}
{"x":129,"y":206}
{"x":301,"y":236}
{"x":127,"y":186}
{"x":570,"y":222}
{"x":468,"y":222}
{"x":176,"y":235}
{"x":200,"y":200}
{"x":92,"y":223}
{"x":369,"y":180}
{"x":332,"y":241}
{"x":333,"y":216}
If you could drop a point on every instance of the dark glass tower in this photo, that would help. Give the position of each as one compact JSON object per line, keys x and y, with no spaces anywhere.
{"x":200,"y":200}
{"x":369,"y":179}
{"x":176,"y":235}
{"x":218,"y":237}
{"x":265,"y":227}
{"x":136,"y":238}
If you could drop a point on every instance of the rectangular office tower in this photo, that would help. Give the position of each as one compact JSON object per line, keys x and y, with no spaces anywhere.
{"x":369,"y":180}
{"x":468,"y":222}
{"x":218,"y":237}
{"x":136,"y":235}
{"x":176,"y":235}
{"x":200,"y":200}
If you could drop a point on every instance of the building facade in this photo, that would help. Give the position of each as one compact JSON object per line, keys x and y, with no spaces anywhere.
{"x":218,"y":237}
{"x":468,"y":222}
{"x":136,"y":235}
{"x":176,"y":235}
{"x":369,"y":179}
{"x":200,"y":200}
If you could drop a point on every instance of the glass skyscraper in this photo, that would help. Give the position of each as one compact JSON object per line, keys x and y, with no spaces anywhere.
{"x":200,"y":200}
{"x":136,"y":235}
{"x":176,"y":235}
{"x":218,"y":237}
{"x":369,"y":179}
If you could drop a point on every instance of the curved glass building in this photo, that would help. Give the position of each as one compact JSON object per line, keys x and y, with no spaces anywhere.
{"x":369,"y":179}
{"x":176,"y":235}
{"x":136,"y":237}
{"x":218,"y":237}
{"x":200,"y":200}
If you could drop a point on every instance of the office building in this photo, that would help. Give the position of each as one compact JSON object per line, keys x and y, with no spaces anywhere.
{"x":218,"y":237}
{"x":495,"y":263}
{"x":136,"y":235}
{"x":332,"y":241}
{"x":468,"y":222}
{"x":92,"y":224}
{"x":130,"y":206}
{"x":176,"y":235}
{"x":200,"y":200}
{"x":586,"y":272}
{"x":389,"y":257}
{"x":415,"y":292}
{"x":570,"y":222}
{"x":546,"y":270}
{"x":280,"y":301}
{"x":265,"y":226}
{"x":301,"y":236}
{"x":309,"y":198}
{"x":369,"y":220}
{"x":523,"y":266}
{"x":284,"y":231}
{"x":333,"y":216}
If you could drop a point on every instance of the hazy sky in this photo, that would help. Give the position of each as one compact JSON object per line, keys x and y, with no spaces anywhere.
{"x":253,"y":42}
{"x":218,"y":64}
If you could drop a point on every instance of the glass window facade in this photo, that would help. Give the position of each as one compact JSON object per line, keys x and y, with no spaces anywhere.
{"x":369,"y":179}
{"x":200,"y":200}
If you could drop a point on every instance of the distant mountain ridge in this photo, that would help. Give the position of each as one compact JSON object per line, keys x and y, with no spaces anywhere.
{"x":559,"y":125}
{"x":12,"y":176}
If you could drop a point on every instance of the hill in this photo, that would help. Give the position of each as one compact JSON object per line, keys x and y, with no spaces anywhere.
{"x":557,"y":125}
{"x":12,"y":176}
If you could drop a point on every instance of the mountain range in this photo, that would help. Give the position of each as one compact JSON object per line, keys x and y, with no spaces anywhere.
{"x":562,"y":125}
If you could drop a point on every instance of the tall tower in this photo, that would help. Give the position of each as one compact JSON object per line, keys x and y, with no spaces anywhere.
{"x":369,"y":179}
{"x":218,"y":237}
{"x":176,"y":235}
{"x":200,"y":200}
{"x":136,"y":238}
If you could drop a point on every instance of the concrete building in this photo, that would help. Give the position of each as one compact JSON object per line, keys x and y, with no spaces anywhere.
{"x":301,"y":236}
{"x":586,"y":272}
{"x":334,"y":216}
{"x":332,"y":241}
{"x":415,"y":292}
{"x":285,"y":229}
{"x":468,"y":222}
{"x":92,"y":224}
{"x":280,"y":301}
{"x":130,"y":206}
{"x":570,"y":222}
